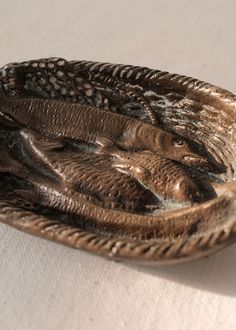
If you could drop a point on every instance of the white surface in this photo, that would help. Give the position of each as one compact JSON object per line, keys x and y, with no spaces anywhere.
{"x":47,"y":286}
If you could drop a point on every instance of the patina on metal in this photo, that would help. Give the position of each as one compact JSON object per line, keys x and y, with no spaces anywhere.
{"x":122,"y":161}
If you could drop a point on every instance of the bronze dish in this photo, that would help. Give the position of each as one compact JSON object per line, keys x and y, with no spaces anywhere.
{"x":121,"y":161}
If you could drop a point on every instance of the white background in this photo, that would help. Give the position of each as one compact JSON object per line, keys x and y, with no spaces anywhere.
{"x":47,"y":286}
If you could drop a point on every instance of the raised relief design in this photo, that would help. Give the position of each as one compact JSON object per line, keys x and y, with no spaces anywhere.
{"x":122,"y":161}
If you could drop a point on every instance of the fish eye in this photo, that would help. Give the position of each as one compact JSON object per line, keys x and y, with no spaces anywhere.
{"x":178,"y":143}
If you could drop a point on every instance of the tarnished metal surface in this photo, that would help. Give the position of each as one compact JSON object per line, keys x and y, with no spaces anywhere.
{"x":121,"y":161}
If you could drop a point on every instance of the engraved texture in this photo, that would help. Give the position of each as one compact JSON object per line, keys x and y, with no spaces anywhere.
{"x":122,"y":161}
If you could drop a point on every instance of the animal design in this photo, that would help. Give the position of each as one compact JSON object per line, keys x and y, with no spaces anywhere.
{"x":55,"y":118}
{"x":161,"y":175}
{"x":57,"y":193}
{"x":50,"y":108}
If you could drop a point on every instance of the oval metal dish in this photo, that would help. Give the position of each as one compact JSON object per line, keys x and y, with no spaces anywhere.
{"x":196,"y":110}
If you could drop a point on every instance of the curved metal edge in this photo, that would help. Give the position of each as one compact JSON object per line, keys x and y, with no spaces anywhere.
{"x":128,"y":72}
{"x":154,"y":76}
{"x":157,"y":252}
{"x":150,"y":252}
